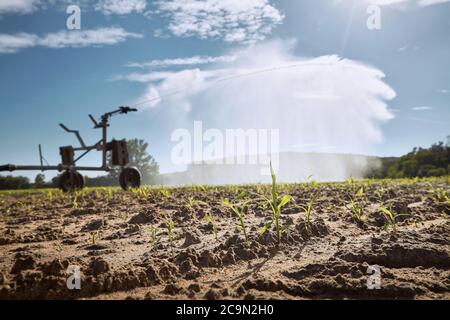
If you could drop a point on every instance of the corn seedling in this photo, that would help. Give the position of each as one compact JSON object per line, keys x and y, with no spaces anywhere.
{"x":238,"y":210}
{"x":360,"y":193}
{"x":313,"y":184}
{"x":191,"y":203}
{"x":209,"y":218}
{"x":357,"y":210}
{"x":391,"y":218}
{"x":276,"y":204}
{"x":242,"y":195}
{"x":308,"y":210}
{"x":154,"y":236}
{"x":379,"y":193}
{"x":309,"y":182}
{"x":75,"y":202}
{"x":108,"y":194}
{"x":142,"y":193}
{"x":350,"y":181}
{"x":170,"y":225}
{"x":95,"y":236}
{"x":440,"y":196}
{"x":164,"y":192}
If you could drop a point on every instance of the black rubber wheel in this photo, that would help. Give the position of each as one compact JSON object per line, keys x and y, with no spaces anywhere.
{"x":70,"y":181}
{"x":130,"y":178}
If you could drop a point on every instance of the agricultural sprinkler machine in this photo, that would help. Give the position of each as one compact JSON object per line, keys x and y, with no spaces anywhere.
{"x":71,"y":179}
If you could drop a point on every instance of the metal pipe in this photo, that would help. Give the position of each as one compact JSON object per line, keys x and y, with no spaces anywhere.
{"x":104,"y":138}
{"x":12,"y":167}
{"x":40,"y":155}
{"x":82,"y":155}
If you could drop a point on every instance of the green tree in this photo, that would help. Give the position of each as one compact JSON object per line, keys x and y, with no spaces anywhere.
{"x":11,"y":182}
{"x":420,"y":162}
{"x":39,"y":181}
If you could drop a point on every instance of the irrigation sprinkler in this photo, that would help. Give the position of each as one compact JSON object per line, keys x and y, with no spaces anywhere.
{"x":71,"y":179}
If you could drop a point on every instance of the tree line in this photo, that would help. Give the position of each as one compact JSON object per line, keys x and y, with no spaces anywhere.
{"x":420,"y":162}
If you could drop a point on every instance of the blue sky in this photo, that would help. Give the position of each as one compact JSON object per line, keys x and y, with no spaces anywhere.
{"x":388,"y":89}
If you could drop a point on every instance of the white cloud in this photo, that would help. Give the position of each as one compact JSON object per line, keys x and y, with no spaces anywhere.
{"x":328,"y":100}
{"x":64,"y":39}
{"x":195,"y":60}
{"x":18,"y":6}
{"x":231,"y":20}
{"x":424,"y":3}
{"x":121,"y":7}
{"x":420,"y":3}
{"x":422,"y":108}
{"x":443,"y":91}
{"x":13,"y":43}
{"x":107,"y":7}
{"x":143,"y":77}
{"x":385,"y":2}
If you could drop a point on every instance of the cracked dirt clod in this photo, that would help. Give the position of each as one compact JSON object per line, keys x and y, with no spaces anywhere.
{"x":93,"y":225}
{"x":98,"y":266}
{"x":143,"y":217}
{"x":190,"y":238}
{"x":23,"y":263}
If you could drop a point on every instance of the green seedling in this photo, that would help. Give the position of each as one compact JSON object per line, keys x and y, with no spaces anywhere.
{"x":391,"y":218}
{"x":357,"y":210}
{"x":276,"y":204}
{"x":23,"y":206}
{"x":242,"y":195}
{"x":75,"y":202}
{"x":308,"y":210}
{"x":360,"y":193}
{"x":191,"y":203}
{"x":209,"y":218}
{"x":143,"y":192}
{"x":440,"y":196}
{"x":154,"y":236}
{"x":350,"y":182}
{"x":164,"y":192}
{"x":108,"y":194}
{"x":238,"y":210}
{"x":379,"y":193}
{"x":170,"y":225}
{"x":95,"y":236}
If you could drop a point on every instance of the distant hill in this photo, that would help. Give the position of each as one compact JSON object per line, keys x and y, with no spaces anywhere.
{"x":293,"y":167}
